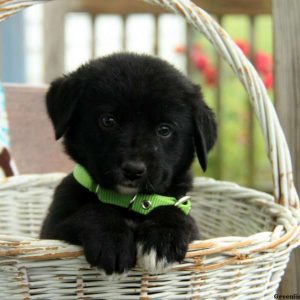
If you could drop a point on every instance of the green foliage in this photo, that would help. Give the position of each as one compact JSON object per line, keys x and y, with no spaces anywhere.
{"x":229,"y":159}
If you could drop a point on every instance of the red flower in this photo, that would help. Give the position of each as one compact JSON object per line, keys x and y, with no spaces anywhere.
{"x":199,"y":59}
{"x":244,"y":46}
{"x":210,"y":75}
{"x":180,"y":49}
{"x":201,"y":62}
{"x":263,"y":63}
{"x":268,"y":81}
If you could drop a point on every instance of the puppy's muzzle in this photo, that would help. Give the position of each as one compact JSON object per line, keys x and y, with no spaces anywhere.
{"x":133,"y":170}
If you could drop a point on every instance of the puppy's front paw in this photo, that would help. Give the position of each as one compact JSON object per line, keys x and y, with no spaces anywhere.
{"x":112,"y":252}
{"x":150,"y":260}
{"x":158,"y":249}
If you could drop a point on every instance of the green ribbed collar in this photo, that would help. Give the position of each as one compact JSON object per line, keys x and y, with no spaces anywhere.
{"x":140,"y":203}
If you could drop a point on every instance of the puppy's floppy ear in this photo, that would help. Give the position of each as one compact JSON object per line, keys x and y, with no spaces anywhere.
{"x":61,"y":100}
{"x":205,"y":129}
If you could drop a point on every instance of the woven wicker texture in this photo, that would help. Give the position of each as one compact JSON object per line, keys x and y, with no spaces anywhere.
{"x":247,"y":235}
{"x":10,"y":7}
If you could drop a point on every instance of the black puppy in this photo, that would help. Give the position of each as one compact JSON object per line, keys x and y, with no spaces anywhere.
{"x":133,"y":123}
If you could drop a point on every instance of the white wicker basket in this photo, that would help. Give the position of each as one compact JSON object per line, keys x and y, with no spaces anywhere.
{"x":249,"y":234}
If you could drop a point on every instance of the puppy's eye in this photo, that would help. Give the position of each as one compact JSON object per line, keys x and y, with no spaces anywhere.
{"x":107,"y":121}
{"x":164,"y":130}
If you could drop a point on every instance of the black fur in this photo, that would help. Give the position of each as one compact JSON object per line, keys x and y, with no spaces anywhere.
{"x":140,"y":92}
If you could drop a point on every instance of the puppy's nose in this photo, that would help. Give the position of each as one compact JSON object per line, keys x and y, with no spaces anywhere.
{"x":133,"y":170}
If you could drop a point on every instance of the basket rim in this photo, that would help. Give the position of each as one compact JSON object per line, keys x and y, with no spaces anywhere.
{"x":237,"y":249}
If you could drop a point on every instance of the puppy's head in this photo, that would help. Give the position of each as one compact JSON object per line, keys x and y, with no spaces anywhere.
{"x":133,"y":121}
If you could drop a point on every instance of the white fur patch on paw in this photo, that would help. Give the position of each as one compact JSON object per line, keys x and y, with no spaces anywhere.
{"x":149,"y":261}
{"x":116,"y":276}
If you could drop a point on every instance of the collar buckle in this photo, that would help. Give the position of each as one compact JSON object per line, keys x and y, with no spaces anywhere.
{"x":183,"y":200}
{"x":133,"y":199}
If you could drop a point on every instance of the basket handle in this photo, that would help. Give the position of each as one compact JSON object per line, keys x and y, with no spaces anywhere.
{"x":276,"y":145}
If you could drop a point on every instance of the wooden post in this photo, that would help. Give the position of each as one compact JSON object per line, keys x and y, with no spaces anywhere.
{"x":54,"y":41}
{"x":287,"y":97}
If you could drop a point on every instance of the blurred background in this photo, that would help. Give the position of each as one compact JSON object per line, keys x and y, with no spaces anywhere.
{"x":47,"y":40}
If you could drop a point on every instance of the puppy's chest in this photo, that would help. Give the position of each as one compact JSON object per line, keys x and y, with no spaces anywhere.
{"x":131,"y":223}
{"x":133,"y":219}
